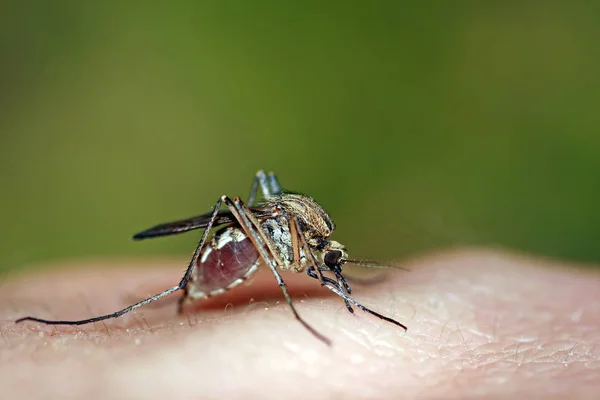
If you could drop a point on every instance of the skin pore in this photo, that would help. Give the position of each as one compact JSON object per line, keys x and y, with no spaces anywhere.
{"x":481,"y":324}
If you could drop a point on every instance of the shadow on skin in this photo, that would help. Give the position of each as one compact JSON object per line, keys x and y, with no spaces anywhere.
{"x":481,"y":324}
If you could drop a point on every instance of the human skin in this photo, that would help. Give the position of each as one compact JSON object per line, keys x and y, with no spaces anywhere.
{"x":481,"y":324}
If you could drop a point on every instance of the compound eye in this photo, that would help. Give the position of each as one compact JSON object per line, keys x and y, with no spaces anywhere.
{"x":332,"y":258}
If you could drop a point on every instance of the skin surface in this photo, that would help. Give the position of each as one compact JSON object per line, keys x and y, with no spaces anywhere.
{"x":481,"y":324}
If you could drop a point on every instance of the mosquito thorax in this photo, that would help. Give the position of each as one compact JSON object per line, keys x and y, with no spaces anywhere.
{"x":316,"y":222}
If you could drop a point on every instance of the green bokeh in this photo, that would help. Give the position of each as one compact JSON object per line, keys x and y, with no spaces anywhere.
{"x":416,"y":127}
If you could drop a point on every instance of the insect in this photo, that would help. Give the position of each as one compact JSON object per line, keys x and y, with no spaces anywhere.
{"x":286,"y":232}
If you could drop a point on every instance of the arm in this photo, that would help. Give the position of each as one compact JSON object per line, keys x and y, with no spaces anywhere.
{"x":480,"y":324}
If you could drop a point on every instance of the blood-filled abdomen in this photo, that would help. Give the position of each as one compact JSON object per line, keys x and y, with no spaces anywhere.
{"x":225,"y":262}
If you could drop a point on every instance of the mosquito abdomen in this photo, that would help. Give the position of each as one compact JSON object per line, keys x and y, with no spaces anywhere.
{"x":226,"y":262}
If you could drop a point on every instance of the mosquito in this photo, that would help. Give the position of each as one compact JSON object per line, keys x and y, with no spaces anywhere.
{"x":286,"y":231}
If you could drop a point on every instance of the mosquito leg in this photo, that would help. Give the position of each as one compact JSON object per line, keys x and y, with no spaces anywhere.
{"x":307,"y":250}
{"x":295,"y":238}
{"x":311,"y":258}
{"x":259,"y":180}
{"x":343,"y":295}
{"x":342,"y":283}
{"x":252,"y":228}
{"x":181,"y":302}
{"x":310,"y":271}
{"x":275,"y":186}
{"x":288,"y":298}
{"x":213,"y":217}
{"x":113,"y":315}
{"x":180,"y":286}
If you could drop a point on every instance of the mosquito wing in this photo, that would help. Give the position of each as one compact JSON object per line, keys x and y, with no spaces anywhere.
{"x":188,"y":224}
{"x":184,"y":225}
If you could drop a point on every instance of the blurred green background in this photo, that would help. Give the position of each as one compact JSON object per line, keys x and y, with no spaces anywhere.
{"x":416,"y":126}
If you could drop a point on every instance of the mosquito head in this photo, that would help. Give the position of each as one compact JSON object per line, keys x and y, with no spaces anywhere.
{"x":334,"y":255}
{"x":333,"y":258}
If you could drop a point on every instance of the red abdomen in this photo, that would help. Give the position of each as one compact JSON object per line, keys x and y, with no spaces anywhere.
{"x":225,"y":262}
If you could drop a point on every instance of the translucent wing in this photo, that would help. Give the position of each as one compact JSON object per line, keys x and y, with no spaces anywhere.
{"x":184,"y":225}
{"x":188,"y":224}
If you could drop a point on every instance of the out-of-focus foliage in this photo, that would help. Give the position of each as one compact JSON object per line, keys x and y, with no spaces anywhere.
{"x":416,"y":127}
